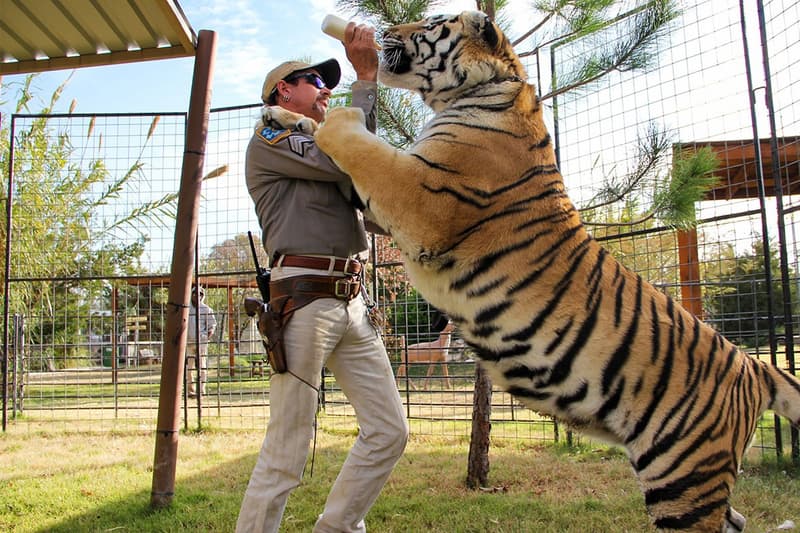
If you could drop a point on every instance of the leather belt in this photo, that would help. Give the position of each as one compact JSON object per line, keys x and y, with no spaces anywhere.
{"x":348,"y":266}
{"x":304,"y":289}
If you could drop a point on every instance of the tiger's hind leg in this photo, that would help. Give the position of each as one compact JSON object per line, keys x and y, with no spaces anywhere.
{"x":689,"y":491}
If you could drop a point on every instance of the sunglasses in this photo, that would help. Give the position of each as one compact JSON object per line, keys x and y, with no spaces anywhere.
{"x":310,"y":77}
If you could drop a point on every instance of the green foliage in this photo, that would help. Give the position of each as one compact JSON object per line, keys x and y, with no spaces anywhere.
{"x":668,"y":197}
{"x":737,"y":299}
{"x":390,"y":12}
{"x":67,"y":225}
{"x":414,"y":318}
{"x":611,"y":40}
{"x":691,"y":177}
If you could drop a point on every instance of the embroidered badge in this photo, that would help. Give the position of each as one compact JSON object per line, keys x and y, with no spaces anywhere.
{"x":271,"y":136}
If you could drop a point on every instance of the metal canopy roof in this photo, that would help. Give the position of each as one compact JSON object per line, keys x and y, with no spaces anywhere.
{"x":42,"y":35}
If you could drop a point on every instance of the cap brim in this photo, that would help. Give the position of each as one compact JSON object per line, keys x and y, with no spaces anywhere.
{"x":329,"y":71}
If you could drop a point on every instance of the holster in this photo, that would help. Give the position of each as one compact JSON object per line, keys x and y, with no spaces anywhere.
{"x":291,"y":294}
{"x":272,"y":325}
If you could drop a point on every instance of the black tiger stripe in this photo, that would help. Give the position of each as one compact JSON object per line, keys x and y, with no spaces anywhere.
{"x":681,"y":325}
{"x":703,"y":473}
{"x":521,"y":371}
{"x":662,"y":384}
{"x":623,"y":351}
{"x":487,"y":287}
{"x":484,"y":331}
{"x":479,"y":127}
{"x":619,"y":303}
{"x":680,"y":410}
{"x":457,"y":195}
{"x":655,"y":326}
{"x":611,"y":401}
{"x":563,"y":367}
{"x":437,"y":166}
{"x":544,"y":143}
{"x":522,"y":392}
{"x":658,"y":449}
{"x":489,"y":261}
{"x":550,"y":188}
{"x":557,"y":245}
{"x":687,"y":520}
{"x":561,"y":216}
{"x":564,"y":401}
{"x":529,"y":331}
{"x":595,"y":277}
{"x":491,"y":313}
{"x":560,"y":335}
{"x":515,"y":350}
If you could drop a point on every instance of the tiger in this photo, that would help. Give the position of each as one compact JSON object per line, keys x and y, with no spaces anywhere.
{"x":478,"y":209}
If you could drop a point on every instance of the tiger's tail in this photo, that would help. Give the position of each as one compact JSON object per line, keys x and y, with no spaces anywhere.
{"x":785,"y":393}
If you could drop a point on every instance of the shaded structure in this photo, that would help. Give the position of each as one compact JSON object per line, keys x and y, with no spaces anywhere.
{"x":51,"y":35}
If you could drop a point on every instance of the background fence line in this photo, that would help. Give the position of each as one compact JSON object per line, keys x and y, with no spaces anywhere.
{"x":89,"y":233}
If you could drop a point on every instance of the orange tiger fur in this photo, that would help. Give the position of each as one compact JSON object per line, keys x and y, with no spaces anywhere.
{"x":488,"y":235}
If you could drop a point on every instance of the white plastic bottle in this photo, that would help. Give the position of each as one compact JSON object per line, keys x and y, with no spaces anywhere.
{"x":335,"y":26}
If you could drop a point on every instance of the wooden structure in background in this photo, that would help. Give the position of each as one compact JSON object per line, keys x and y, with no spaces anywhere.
{"x":738,"y":180}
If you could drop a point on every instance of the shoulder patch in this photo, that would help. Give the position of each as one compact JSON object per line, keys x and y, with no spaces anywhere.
{"x":271,"y":136}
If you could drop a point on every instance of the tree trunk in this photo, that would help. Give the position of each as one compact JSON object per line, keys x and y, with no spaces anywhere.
{"x":478,"y":467}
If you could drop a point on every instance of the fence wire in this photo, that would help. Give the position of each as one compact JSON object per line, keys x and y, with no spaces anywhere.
{"x":90,"y":228}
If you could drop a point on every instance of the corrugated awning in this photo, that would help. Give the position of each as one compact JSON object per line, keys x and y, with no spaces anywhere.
{"x":43,"y":35}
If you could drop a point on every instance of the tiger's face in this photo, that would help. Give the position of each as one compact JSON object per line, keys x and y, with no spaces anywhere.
{"x":444,"y":56}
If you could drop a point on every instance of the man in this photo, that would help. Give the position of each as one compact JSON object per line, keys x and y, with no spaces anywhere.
{"x":317,"y":243}
{"x":197,"y":345}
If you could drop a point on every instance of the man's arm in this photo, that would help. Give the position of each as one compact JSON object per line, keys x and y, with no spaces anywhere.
{"x":359,"y":45}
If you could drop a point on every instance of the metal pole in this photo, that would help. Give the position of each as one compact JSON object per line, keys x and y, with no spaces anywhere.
{"x":763,"y":208}
{"x":166,"y":447}
{"x":788,"y":318}
{"x":6,"y":282}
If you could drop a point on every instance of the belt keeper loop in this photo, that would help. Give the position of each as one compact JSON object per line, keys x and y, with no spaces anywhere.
{"x":331,"y":265}
{"x":279,"y":262}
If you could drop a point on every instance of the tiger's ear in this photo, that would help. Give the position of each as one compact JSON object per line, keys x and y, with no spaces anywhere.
{"x":484,"y":27}
{"x":490,"y":33}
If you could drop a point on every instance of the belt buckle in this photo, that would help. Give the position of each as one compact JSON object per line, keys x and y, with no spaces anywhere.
{"x":343,"y":289}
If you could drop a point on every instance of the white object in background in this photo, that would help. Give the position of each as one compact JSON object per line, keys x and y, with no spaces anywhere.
{"x":335,"y":26}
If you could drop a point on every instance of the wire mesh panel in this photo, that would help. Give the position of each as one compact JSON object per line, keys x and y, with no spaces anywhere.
{"x":93,"y":199}
{"x":92,"y":224}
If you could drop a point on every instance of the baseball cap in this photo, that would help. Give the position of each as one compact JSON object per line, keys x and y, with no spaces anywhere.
{"x":329,"y":71}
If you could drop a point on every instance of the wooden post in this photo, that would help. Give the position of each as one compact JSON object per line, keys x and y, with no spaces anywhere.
{"x":166,"y":447}
{"x":691,"y":296}
{"x":478,"y":462}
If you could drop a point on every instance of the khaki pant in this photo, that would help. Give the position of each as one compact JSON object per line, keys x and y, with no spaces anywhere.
{"x":336,"y":334}
{"x":191,"y":362}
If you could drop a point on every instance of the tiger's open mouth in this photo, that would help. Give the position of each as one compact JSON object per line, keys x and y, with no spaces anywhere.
{"x":395,"y":58}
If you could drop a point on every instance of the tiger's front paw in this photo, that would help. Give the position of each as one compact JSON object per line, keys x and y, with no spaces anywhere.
{"x":280,"y":118}
{"x":340,"y":122}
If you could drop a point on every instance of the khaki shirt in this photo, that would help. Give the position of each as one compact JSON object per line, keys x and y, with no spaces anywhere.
{"x":297,"y":190}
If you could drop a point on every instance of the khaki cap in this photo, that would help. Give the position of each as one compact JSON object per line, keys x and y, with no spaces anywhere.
{"x":328,"y":70}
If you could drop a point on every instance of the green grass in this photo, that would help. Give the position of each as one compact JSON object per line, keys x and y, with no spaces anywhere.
{"x":69,"y":482}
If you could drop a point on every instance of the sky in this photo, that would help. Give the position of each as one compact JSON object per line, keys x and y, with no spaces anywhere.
{"x":252,"y":37}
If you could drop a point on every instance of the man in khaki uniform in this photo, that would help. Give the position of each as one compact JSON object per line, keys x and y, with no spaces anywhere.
{"x":201,"y":320}
{"x":317,"y":242}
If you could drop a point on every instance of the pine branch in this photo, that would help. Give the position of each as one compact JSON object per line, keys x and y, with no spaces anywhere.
{"x":632,"y":52}
{"x":650,"y":151}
